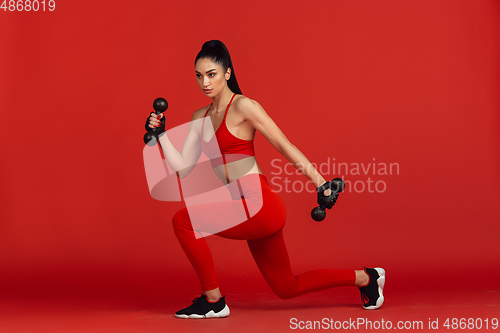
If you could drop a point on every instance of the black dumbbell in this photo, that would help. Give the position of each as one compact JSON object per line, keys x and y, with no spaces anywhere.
{"x":336,"y":186}
{"x":160,"y":105}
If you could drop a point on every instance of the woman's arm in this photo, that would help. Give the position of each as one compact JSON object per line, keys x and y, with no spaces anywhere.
{"x":260,"y":120}
{"x":184,"y":161}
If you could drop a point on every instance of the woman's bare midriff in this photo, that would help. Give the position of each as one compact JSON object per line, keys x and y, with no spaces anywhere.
{"x":231,"y":171}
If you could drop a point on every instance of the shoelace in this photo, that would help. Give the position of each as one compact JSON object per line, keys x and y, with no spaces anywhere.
{"x":196,"y":301}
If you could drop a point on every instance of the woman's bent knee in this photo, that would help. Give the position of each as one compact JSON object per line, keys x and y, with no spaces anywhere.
{"x":180,"y":220}
{"x":282,"y":290}
{"x":283,"y":294}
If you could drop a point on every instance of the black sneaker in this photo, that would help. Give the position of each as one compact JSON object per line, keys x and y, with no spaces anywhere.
{"x":372,"y":294}
{"x":202,"y":308}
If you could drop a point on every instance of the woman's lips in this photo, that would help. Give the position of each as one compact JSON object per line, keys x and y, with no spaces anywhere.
{"x":207,"y":91}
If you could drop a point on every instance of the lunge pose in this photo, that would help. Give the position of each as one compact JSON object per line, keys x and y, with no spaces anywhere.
{"x":229,"y":145}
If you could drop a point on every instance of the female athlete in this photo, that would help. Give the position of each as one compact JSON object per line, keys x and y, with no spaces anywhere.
{"x":256,"y":213}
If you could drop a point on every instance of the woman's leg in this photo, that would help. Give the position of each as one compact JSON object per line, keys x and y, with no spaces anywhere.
{"x":253,"y":210}
{"x":196,"y":249}
{"x":271,"y":256}
{"x":266,"y":242}
{"x":263,"y":231}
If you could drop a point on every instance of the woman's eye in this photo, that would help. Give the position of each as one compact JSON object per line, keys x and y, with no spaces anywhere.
{"x":211,"y":74}
{"x":198,"y":76}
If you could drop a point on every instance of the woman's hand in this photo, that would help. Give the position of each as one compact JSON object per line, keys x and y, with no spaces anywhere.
{"x":328,"y":192}
{"x":326,"y":197}
{"x":156,"y":121}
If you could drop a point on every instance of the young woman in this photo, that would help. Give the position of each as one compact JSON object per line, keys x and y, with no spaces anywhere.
{"x":229,"y":145}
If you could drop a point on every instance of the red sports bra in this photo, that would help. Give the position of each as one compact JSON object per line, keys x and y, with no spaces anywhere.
{"x":227,"y":148}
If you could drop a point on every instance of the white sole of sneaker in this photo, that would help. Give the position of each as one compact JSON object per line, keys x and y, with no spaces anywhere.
{"x":381,"y":284}
{"x":211,"y":314}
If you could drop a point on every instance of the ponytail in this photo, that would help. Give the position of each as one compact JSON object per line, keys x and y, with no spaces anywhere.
{"x":216,"y":51}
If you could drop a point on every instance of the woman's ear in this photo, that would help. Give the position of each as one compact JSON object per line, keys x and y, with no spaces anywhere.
{"x":228,"y":74}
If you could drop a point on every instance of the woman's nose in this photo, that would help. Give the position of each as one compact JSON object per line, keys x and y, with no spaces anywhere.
{"x":205,"y":81}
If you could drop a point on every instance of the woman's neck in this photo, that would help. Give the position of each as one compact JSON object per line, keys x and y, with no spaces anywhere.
{"x":220,"y":101}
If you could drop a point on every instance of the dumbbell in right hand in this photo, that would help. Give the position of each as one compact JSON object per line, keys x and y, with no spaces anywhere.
{"x":155,"y":123}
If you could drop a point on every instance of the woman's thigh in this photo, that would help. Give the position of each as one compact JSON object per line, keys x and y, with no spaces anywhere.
{"x":269,"y":219}
{"x":257,"y":214}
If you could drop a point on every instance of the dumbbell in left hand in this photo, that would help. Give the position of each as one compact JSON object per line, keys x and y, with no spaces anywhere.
{"x":336,"y":186}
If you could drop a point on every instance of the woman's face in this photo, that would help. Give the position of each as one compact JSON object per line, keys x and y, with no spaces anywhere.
{"x":211,"y":77}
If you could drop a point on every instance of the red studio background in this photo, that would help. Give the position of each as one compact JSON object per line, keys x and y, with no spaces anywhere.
{"x":409,"y":85}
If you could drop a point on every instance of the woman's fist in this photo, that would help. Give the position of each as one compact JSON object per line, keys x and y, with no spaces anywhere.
{"x":156,"y":123}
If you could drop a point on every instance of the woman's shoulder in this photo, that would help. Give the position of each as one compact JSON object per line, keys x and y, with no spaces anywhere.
{"x":200,"y":113}
{"x":244,"y":103}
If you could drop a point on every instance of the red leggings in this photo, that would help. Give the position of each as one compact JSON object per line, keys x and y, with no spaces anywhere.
{"x":266,"y":214}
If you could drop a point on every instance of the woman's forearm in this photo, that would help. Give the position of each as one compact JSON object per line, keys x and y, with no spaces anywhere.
{"x":300,"y":161}
{"x":173,"y":157}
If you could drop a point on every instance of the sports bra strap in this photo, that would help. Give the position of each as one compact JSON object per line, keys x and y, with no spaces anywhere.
{"x":229,"y":105}
{"x":227,"y":108}
{"x":208,"y":108}
{"x":203,"y":122}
